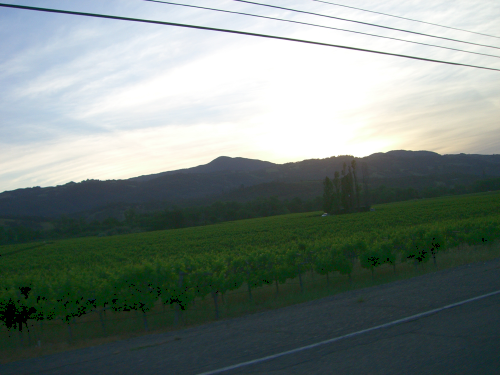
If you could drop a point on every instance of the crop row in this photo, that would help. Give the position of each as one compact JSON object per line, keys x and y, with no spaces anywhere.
{"x":50,"y":260}
{"x":181,"y":280}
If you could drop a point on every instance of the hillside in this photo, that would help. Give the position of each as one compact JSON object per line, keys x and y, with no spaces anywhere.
{"x":221,"y":164}
{"x":242,"y":179}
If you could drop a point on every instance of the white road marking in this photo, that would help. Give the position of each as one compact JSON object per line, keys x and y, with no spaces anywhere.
{"x":386,"y":325}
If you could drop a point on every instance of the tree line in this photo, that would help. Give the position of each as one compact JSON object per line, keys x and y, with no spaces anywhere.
{"x":345,"y":192}
{"x":170,"y":218}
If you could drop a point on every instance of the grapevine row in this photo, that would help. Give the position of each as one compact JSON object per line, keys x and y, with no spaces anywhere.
{"x":183,"y":279}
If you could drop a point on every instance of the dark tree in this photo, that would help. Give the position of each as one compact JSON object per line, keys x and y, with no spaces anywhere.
{"x":337,"y":195}
{"x":327,"y":195}
{"x":356,"y":185}
{"x":366,"y":191}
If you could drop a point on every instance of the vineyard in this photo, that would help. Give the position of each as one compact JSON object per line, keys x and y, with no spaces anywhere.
{"x":175,"y":269}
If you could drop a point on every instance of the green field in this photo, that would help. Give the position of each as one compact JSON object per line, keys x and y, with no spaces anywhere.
{"x":65,"y":282}
{"x":278,"y":232}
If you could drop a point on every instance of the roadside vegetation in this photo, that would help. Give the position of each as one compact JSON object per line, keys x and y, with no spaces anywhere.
{"x":76,"y":292}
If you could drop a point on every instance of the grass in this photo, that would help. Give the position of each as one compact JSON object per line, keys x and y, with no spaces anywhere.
{"x":87,"y":330}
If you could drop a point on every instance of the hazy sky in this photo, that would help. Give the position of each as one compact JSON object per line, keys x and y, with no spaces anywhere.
{"x":91,"y":98}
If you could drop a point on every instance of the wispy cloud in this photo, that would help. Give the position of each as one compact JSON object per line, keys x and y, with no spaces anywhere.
{"x":84,"y":98}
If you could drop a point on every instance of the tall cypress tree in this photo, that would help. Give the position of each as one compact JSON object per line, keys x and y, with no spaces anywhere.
{"x":351,"y":189}
{"x":347,"y":188}
{"x":327,"y":195}
{"x":336,"y":198}
{"x":356,"y":185}
{"x":344,"y":186}
{"x":366,"y":191}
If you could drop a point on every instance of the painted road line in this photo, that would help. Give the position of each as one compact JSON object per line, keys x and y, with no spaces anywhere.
{"x":329,"y":341}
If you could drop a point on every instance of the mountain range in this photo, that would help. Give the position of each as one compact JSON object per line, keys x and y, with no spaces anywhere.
{"x":242,"y":179}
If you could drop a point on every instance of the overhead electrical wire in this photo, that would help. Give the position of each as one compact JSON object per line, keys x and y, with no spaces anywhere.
{"x":316,"y":25}
{"x":405,"y":18}
{"x":363,"y":23}
{"x":141,"y":20}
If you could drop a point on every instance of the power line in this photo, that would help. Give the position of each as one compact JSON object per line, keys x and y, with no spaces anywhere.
{"x":408,"y":19}
{"x":140,"y":20}
{"x":364,"y":23}
{"x":316,"y":25}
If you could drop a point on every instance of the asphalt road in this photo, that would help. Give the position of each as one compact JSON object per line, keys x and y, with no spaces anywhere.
{"x":460,"y":340}
{"x":463,"y":340}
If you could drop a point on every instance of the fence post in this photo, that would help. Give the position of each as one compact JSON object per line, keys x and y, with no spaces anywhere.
{"x":300,"y":279}
{"x":300,"y":276}
{"x":101,"y":318}
{"x":214,"y":296}
{"x":248,"y":281}
{"x":145,"y":321}
{"x":177,"y":306}
{"x":458,"y":241}
{"x":311,"y":263}
{"x":70,"y":333}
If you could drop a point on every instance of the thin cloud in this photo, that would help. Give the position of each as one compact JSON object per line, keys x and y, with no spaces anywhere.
{"x":85,"y":98}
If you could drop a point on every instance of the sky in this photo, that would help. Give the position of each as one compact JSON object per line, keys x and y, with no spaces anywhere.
{"x":85,"y":98}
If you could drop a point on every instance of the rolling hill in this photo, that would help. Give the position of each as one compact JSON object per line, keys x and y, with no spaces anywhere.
{"x":241,"y":179}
